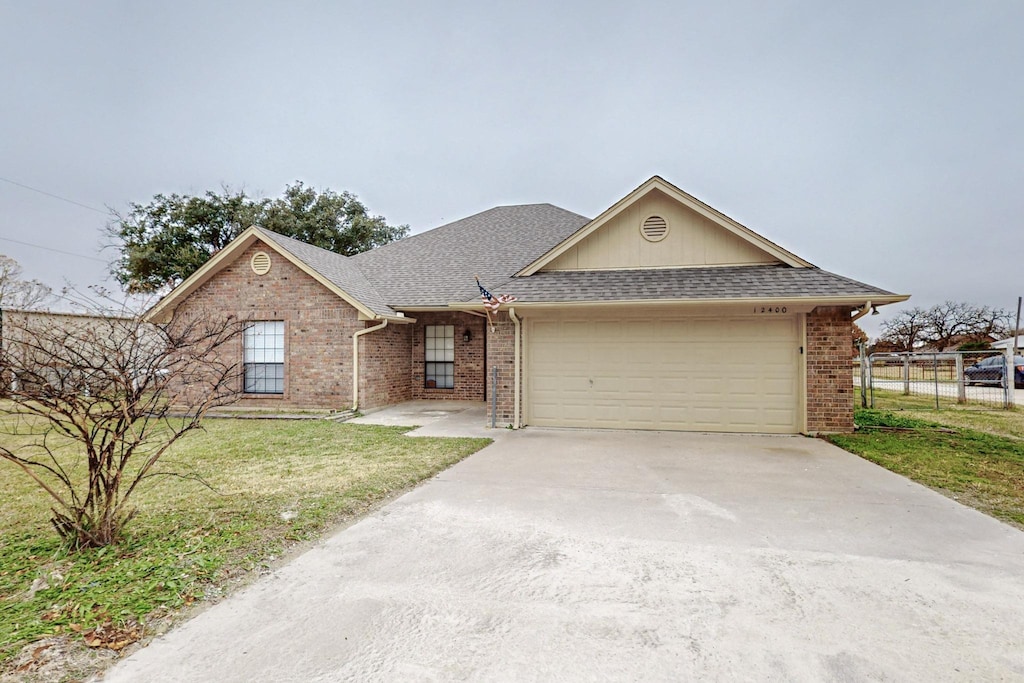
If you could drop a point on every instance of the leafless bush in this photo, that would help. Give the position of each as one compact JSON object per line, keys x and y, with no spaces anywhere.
{"x":114,"y":392}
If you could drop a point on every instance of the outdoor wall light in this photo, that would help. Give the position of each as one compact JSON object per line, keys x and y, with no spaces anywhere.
{"x":466,"y":336}
{"x":874,"y":310}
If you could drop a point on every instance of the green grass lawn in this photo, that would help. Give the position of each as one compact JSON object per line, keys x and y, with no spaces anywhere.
{"x":978,"y":416}
{"x":275,"y":483}
{"x":975,"y":456}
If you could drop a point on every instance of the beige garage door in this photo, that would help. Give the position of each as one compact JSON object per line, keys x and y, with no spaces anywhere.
{"x":730,"y":374}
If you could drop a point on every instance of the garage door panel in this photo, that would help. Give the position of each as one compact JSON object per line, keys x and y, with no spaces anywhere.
{"x":665,"y":372}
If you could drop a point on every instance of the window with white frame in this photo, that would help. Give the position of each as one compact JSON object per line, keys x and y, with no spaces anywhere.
{"x":263,"y":354}
{"x":439,"y":357}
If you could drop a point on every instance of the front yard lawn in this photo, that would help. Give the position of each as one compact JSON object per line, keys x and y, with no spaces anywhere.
{"x":274,"y":484}
{"x":978,"y":416}
{"x":982,"y":469}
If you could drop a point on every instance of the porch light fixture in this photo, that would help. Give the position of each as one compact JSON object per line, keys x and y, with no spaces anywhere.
{"x":874,"y":310}
{"x":466,"y":336}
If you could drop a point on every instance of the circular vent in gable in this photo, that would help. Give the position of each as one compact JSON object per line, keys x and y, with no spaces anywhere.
{"x":260,"y":263}
{"x":654,"y":229}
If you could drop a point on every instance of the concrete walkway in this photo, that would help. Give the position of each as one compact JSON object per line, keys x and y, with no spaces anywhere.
{"x":573,"y":555}
{"x":435,"y":418}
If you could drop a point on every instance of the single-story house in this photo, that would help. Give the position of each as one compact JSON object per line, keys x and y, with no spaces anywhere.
{"x":660,"y":313}
{"x":1009,"y":343}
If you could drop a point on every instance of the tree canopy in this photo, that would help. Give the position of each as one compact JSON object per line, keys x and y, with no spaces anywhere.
{"x":944,"y":325}
{"x":163,"y":242}
{"x":16,"y":292}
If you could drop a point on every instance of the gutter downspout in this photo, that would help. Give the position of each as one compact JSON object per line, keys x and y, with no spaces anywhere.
{"x":516,"y":423}
{"x":355,"y":359}
{"x":862,"y":312}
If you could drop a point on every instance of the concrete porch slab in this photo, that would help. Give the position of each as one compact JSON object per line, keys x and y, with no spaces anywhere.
{"x":435,"y":418}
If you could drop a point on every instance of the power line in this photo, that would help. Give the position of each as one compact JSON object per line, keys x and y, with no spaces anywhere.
{"x":58,"y":251}
{"x":54,"y":196}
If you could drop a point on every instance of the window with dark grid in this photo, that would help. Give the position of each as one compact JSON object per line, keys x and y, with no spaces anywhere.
{"x":263,"y":347}
{"x":440,"y":357}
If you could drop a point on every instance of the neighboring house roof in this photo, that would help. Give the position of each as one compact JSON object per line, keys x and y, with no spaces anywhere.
{"x":421,"y":270}
{"x":1009,"y":342}
{"x":712,"y":284}
{"x":508,"y":246}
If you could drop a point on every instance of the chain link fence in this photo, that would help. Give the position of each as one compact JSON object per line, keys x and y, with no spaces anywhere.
{"x":980,"y":378}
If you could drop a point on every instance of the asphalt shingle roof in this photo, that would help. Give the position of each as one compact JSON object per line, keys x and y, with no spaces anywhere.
{"x":728,"y":282}
{"x":436,"y":267}
{"x":341,"y":270}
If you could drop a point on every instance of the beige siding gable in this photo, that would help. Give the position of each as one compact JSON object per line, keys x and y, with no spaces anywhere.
{"x":692,"y":240}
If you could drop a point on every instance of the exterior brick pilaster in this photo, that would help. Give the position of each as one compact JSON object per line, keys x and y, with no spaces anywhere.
{"x":829,"y":371}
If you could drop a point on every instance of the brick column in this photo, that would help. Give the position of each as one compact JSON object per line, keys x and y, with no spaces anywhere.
{"x":501,"y":355}
{"x":829,"y":370}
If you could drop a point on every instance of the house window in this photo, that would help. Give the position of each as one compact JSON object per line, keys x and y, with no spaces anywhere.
{"x":440,"y":357}
{"x":263,"y":351}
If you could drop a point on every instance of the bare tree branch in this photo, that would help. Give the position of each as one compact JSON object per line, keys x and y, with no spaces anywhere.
{"x":92,"y":404}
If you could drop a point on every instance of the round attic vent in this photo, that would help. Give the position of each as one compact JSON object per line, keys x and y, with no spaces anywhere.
{"x":654,"y":229}
{"x":260,"y":263}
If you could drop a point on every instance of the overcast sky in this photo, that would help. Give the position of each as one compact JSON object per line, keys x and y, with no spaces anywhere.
{"x":880,"y":140}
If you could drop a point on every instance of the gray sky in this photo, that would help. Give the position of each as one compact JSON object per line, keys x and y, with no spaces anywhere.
{"x":880,"y":140}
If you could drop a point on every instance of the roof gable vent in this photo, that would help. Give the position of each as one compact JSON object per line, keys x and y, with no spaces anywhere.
{"x":260,"y":263}
{"x":654,"y":229}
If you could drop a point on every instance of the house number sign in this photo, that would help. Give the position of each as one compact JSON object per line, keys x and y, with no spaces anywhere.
{"x":769,"y":309}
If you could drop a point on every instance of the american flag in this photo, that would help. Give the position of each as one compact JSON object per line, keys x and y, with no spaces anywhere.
{"x":493,"y":303}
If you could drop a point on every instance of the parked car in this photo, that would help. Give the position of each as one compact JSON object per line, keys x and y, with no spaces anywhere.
{"x":990,"y":371}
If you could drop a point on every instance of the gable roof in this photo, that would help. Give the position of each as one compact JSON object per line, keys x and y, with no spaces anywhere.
{"x":342,"y":271}
{"x":331,"y":270}
{"x":657,"y":183}
{"x":435,"y":269}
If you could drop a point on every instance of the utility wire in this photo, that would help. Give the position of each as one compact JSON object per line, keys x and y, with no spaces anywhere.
{"x":39,"y":246}
{"x":50,"y":194}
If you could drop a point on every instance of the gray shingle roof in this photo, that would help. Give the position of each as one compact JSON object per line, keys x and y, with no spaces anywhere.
{"x":341,"y":270}
{"x":731,"y":282}
{"x":437,"y":267}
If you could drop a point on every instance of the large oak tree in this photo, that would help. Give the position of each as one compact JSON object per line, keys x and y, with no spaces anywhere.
{"x":163,"y":242}
{"x":943,"y":325}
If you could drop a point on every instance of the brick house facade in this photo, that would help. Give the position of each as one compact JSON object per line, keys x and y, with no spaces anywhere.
{"x":363,"y":331}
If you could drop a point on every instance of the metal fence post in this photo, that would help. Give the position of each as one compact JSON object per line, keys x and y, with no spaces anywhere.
{"x":961,"y":390}
{"x":935,"y":372}
{"x":494,"y":396}
{"x":906,"y":375}
{"x":1008,"y":376}
{"x":863,"y":377}
{"x":871,"y":379}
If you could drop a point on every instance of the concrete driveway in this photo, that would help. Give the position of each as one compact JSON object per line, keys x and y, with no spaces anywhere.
{"x":574,"y":555}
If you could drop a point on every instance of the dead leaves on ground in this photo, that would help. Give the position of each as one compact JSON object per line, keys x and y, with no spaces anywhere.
{"x":106,"y":635}
{"x":112,"y":637}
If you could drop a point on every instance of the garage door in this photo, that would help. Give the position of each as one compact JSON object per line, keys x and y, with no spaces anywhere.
{"x":729,"y":374}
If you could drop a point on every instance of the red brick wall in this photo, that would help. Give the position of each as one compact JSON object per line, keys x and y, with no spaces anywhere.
{"x":385,"y":365}
{"x":469,"y":356}
{"x":501,"y":355}
{"x":829,"y":373}
{"x":318,"y":328}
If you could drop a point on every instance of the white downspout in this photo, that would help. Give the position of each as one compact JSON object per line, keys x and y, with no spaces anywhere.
{"x":355,"y":359}
{"x":862,"y":312}
{"x":516,"y":422}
